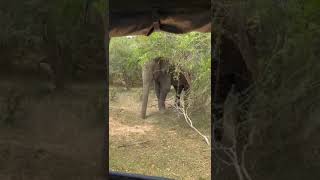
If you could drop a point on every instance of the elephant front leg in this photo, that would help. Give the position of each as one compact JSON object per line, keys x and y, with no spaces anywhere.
{"x":147,"y":80}
{"x":162,"y":100}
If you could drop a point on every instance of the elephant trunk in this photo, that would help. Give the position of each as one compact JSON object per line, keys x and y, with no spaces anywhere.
{"x":147,"y":80}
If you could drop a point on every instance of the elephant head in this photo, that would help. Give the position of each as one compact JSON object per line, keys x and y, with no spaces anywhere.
{"x":156,"y":70}
{"x":162,"y":72}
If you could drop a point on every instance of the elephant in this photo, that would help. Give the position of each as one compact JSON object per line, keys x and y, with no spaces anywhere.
{"x":162,"y":73}
{"x":232,"y":72}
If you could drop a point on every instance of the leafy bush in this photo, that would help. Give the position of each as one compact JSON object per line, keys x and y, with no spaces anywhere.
{"x":190,"y":51}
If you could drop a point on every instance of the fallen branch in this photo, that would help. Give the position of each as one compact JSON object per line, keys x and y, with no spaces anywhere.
{"x":182,"y":110}
{"x":235,"y":158}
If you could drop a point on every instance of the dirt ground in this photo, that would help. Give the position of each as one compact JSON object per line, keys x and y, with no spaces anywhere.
{"x":52,"y":136}
{"x":160,"y":145}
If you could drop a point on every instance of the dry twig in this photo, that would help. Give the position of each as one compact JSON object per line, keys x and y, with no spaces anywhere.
{"x":183,"y":110}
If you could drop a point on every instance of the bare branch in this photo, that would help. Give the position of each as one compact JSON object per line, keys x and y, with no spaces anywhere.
{"x":184,"y":111}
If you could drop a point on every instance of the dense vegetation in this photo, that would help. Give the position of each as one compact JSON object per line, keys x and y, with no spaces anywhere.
{"x":284,"y":115}
{"x":65,"y":35}
{"x":190,"y":51}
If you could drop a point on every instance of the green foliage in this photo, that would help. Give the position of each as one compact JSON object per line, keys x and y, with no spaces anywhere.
{"x":287,"y":93}
{"x":123,"y":63}
{"x":189,"y":51}
{"x":288,"y":50}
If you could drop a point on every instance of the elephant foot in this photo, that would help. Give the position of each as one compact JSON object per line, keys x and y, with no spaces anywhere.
{"x":143,"y":116}
{"x":162,"y":111}
{"x":162,"y":108}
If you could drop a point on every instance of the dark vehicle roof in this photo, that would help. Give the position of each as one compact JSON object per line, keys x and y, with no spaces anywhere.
{"x":142,"y":17}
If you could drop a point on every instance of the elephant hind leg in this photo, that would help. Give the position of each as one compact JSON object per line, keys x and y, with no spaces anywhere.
{"x":157,"y":90}
{"x":177,"y":100}
{"x":162,"y":99}
{"x":165,"y":85}
{"x":178,"y":94}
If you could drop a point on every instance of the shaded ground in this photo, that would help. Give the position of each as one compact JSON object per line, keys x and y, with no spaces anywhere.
{"x":161,"y":145}
{"x":52,"y":135}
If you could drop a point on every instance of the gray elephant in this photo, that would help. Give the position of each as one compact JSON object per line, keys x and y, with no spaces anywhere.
{"x":162,"y":73}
